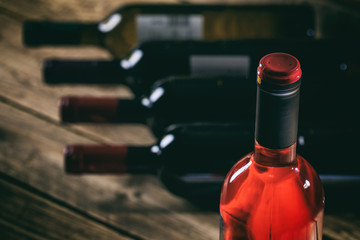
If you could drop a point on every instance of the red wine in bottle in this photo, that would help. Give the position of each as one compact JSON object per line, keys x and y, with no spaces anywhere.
{"x":136,"y":23}
{"x":152,"y":61}
{"x":273,"y":193}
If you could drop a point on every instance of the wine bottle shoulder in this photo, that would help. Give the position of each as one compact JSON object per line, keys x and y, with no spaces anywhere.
{"x":251,"y":180}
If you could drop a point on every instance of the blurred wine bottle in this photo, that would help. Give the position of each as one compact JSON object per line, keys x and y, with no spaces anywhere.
{"x":172,"y":100}
{"x":197,"y":99}
{"x":192,"y":159}
{"x":181,"y":158}
{"x":152,"y":61}
{"x":183,"y":149}
{"x":137,"y":23}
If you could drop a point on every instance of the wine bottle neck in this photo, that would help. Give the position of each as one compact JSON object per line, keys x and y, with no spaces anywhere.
{"x":276,"y":117}
{"x":61,"y":33}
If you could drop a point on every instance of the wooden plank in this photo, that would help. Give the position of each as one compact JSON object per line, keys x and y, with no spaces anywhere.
{"x":61,"y":10}
{"x":26,"y":215}
{"x":339,"y":228}
{"x":13,"y":232}
{"x":30,"y":150}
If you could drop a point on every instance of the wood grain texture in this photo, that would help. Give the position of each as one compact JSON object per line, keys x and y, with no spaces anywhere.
{"x":26,"y":215}
{"x":32,"y":141}
{"x":342,"y":227}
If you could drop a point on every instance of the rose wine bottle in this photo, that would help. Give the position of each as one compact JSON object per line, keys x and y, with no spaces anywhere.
{"x":152,"y":61}
{"x":136,"y":23}
{"x":273,"y":193}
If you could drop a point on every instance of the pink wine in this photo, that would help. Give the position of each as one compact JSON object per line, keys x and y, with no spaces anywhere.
{"x":273,"y":193}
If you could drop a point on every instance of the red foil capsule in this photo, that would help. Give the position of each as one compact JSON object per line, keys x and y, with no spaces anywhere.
{"x":279,"y":69}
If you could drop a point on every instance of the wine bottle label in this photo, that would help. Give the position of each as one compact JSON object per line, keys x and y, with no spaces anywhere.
{"x":220,"y":65}
{"x":169,"y":27}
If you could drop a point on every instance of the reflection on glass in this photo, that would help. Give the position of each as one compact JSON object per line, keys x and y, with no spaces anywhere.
{"x":110,"y":23}
{"x":132,"y":60}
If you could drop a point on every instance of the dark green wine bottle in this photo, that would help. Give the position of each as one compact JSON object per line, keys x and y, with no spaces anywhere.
{"x":152,"y":61}
{"x":192,"y":159}
{"x":210,"y":99}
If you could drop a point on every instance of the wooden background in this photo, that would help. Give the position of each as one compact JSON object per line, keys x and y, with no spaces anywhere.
{"x":38,"y":200}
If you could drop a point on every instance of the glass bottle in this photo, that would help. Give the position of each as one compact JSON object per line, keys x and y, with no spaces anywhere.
{"x":182,"y":148}
{"x":273,"y":193}
{"x":180,"y":158}
{"x":172,"y":100}
{"x":184,"y":99}
{"x":152,"y":61}
{"x":136,"y":23}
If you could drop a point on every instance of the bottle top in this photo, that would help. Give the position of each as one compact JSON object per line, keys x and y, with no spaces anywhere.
{"x":278,"y":69}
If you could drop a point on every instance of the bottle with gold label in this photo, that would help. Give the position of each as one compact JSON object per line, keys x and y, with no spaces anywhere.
{"x":137,"y":23}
